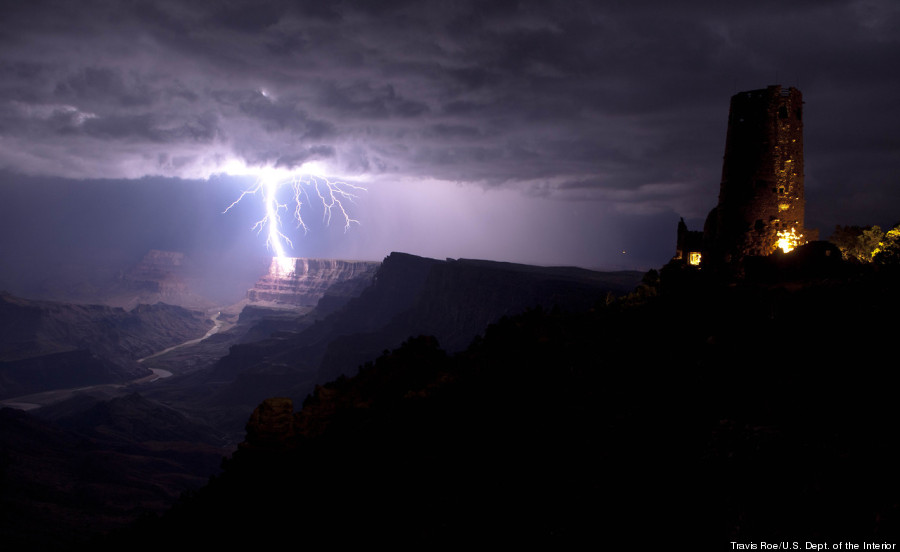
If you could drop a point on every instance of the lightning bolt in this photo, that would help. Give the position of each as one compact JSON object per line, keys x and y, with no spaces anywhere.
{"x":333,"y":195}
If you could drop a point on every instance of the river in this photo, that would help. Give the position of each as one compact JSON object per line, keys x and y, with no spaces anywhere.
{"x":37,"y":400}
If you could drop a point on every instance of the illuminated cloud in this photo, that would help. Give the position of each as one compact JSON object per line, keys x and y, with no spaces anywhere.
{"x":620,"y":105}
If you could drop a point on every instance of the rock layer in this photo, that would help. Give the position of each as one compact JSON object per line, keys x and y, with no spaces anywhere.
{"x":303,"y":282}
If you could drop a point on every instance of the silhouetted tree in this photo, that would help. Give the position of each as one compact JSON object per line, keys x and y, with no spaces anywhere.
{"x":888,"y":250}
{"x":857,"y":242}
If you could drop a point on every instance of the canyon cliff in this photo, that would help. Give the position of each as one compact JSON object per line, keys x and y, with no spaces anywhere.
{"x":303,"y":282}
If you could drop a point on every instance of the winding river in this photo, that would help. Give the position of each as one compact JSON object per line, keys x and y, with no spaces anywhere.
{"x":37,"y":400}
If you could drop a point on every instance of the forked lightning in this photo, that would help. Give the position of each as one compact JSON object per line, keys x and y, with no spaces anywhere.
{"x":332,"y":193}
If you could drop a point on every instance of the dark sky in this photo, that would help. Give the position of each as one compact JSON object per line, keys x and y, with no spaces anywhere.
{"x":544,"y":132}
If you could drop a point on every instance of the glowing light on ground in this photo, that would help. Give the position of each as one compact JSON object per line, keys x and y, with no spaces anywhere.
{"x":272,"y":185}
{"x":788,"y":241}
{"x":284,"y":266}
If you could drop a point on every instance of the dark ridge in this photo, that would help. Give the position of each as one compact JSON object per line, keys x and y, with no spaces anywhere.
{"x":716,"y":414}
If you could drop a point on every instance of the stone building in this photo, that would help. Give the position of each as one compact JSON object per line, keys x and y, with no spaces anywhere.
{"x":761,"y":199}
{"x":688,"y":245}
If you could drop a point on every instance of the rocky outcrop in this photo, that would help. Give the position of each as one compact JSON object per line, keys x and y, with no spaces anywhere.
{"x":303,"y":282}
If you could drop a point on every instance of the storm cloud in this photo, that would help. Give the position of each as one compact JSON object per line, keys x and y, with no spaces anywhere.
{"x":620,"y":104}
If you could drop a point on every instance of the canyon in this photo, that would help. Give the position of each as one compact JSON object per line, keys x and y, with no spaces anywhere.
{"x":138,"y":444}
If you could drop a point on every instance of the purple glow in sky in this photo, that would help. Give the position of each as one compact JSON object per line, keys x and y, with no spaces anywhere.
{"x":540,"y":132}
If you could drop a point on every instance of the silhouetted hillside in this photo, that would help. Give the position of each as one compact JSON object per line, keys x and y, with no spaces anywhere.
{"x":743,"y":412}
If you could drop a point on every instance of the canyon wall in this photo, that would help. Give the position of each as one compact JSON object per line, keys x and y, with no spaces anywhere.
{"x":303,"y":282}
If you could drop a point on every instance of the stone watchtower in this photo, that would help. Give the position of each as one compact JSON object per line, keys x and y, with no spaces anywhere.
{"x":761,"y":203}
